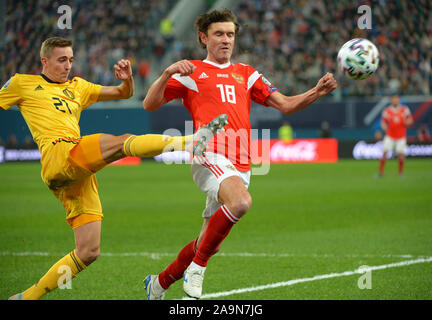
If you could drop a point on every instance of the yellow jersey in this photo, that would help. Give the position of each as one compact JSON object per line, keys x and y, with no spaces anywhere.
{"x":51,"y":110}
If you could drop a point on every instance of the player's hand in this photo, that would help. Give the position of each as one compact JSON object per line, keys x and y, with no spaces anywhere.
{"x":326,"y":85}
{"x":123,"y":69}
{"x":184,"y":67}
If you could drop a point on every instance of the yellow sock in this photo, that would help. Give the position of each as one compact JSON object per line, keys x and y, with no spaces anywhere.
{"x":69,"y":265}
{"x":150,"y":145}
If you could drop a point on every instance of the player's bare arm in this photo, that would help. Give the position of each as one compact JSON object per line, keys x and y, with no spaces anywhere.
{"x":291,"y":104}
{"x":384,"y":126}
{"x":123,"y":72}
{"x":409,"y":120}
{"x":155,"y":95}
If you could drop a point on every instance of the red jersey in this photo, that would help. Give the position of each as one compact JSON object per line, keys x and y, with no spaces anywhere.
{"x":213,"y":89}
{"x":395,"y":119}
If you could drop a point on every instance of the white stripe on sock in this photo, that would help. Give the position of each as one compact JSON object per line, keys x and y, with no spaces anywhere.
{"x":229,"y":215}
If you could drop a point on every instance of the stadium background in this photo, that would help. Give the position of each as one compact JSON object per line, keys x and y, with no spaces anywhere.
{"x":329,"y":218}
{"x":291,"y":42}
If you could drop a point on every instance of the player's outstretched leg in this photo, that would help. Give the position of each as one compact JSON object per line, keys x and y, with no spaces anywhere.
{"x":207,"y":132}
{"x":150,"y":145}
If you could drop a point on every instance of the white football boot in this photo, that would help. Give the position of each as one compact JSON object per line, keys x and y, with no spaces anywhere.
{"x":204,"y":134}
{"x":153,"y":288}
{"x":193,"y":280}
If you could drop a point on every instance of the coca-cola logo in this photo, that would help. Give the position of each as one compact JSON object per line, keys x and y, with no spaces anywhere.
{"x":298,"y":151}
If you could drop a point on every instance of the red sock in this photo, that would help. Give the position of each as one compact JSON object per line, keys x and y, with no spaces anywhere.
{"x":175,"y":270}
{"x":218,"y":228}
{"x":401,"y":165}
{"x":382,"y":164}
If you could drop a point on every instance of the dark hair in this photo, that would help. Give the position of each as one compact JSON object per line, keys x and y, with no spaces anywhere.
{"x":203,"y":22}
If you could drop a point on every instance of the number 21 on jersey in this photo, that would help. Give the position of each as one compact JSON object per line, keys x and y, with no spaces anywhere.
{"x":227,"y":93}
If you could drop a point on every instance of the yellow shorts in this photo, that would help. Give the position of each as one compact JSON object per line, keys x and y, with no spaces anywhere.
{"x":68,"y":169}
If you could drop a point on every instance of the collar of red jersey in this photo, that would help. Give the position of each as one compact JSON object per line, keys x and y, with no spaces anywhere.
{"x":221,"y":66}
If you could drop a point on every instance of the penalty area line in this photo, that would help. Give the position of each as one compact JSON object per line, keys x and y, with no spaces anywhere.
{"x":315,"y":278}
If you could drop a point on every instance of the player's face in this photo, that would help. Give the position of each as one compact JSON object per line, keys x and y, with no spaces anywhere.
{"x":58,"y":66}
{"x":395,"y":101}
{"x":219,"y":41}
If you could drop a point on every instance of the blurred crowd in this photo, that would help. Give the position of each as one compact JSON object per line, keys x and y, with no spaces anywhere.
{"x":103,"y":32}
{"x":296,"y":42}
{"x":292,"y":42}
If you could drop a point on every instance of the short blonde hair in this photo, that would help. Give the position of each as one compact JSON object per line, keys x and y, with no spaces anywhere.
{"x":49,"y":44}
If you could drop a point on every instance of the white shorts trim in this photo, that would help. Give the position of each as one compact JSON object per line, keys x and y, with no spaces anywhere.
{"x":396,"y":145}
{"x":208,"y":172}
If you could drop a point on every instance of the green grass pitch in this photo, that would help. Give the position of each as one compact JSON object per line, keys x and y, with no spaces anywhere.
{"x":306,"y":221}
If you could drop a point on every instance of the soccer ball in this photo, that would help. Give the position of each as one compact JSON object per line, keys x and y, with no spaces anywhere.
{"x":358,"y":59}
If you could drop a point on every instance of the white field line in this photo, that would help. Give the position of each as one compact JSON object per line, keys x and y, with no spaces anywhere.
{"x":361,"y":270}
{"x":159,"y":255}
{"x":155,"y":255}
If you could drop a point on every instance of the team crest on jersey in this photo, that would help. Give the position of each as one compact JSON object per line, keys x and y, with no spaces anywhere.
{"x":69,"y":93}
{"x":6,"y":84}
{"x":238,"y":77}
